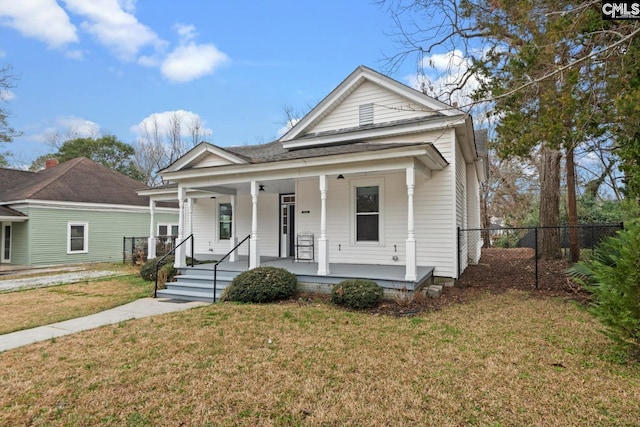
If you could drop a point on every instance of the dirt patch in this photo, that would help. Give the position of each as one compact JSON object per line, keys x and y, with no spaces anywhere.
{"x":498,"y":271}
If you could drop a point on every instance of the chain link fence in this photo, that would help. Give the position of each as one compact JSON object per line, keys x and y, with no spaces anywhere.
{"x":135,"y":249}
{"x":525,"y":242}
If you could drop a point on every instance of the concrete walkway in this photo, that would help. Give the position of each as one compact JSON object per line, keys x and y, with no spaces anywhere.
{"x":144,"y":307}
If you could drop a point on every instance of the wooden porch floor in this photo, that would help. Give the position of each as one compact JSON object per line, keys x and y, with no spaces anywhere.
{"x":387,"y":276}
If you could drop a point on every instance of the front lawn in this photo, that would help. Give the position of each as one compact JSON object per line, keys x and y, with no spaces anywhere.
{"x":506,"y":359}
{"x":29,"y":308}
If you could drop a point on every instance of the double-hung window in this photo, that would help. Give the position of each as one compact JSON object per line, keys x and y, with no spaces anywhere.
{"x":168,"y":230}
{"x":77,"y":237}
{"x":367,"y":213}
{"x":225,"y":218}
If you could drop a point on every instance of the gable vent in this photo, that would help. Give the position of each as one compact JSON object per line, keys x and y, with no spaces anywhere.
{"x":366,"y":114}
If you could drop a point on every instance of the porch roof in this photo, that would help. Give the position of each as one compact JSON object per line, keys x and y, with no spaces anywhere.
{"x":274,"y":151}
{"x":11,"y":215}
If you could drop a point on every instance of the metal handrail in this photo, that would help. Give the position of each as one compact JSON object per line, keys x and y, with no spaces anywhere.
{"x":215,"y":267}
{"x":159,"y":262}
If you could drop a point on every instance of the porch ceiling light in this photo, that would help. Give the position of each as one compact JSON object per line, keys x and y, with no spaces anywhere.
{"x":340,"y":176}
{"x":261,"y":187}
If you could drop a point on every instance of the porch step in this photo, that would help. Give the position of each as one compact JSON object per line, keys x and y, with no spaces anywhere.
{"x":197,"y":285}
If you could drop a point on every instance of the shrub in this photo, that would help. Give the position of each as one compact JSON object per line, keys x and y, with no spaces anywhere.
{"x":148,"y":269}
{"x":261,"y":284}
{"x":612,"y":275}
{"x":168,"y":270}
{"x":357,"y":293}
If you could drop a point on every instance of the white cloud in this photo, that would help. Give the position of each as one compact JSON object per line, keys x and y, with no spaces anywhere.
{"x":446,"y":78}
{"x":446,"y":62}
{"x":286,"y":128}
{"x":114,"y":25}
{"x":128,"y":6}
{"x":2,"y":53}
{"x":74,"y":54}
{"x":64,"y":128}
{"x":186,"y":32}
{"x":162,"y":124}
{"x":192,"y":61}
{"x":78,"y":127}
{"x":43,"y":20}
{"x":6,"y":95}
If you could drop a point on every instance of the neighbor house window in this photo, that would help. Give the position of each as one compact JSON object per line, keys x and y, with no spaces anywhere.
{"x":367,"y":214}
{"x":225,"y":218}
{"x":77,"y":237}
{"x":167,"y":229}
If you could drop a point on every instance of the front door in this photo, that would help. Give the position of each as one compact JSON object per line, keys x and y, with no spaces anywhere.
{"x":5,"y":243}
{"x":287,"y":225}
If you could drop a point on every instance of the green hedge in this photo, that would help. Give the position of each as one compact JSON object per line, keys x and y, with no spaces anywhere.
{"x":148,"y":269}
{"x":357,"y":293}
{"x":262,"y":284}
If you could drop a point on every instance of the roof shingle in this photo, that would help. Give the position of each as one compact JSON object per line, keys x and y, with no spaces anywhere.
{"x":79,"y":180}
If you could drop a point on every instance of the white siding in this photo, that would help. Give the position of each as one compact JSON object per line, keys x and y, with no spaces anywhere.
{"x":211,"y":160}
{"x":434,"y":224}
{"x":439,"y":208}
{"x":461,"y":207}
{"x":387,"y":106}
{"x":339,"y":219}
{"x":205,"y":224}
{"x":205,"y":229}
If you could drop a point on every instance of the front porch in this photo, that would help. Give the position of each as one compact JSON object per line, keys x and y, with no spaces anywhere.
{"x":196,"y":283}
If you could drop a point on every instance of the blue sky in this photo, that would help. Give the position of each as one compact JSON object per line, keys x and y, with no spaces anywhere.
{"x":110,"y":64}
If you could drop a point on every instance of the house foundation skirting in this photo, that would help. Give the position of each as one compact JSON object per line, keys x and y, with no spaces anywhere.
{"x":390,"y":277}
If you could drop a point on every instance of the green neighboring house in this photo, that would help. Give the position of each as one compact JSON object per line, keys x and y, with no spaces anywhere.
{"x":75,"y":212}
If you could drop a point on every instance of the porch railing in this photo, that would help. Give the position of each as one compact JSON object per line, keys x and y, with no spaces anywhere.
{"x":215,"y":266}
{"x":159,"y":262}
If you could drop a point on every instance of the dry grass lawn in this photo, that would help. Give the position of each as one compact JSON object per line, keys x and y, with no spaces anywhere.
{"x":500,"y":360}
{"x":35,"y":307}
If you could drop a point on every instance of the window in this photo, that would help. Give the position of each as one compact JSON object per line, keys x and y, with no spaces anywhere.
{"x":6,"y":256}
{"x":167,"y":230}
{"x":225,"y":217}
{"x":368,"y":214}
{"x":77,"y":237}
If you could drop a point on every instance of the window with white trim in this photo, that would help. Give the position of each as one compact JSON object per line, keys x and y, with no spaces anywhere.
{"x":77,"y":237}
{"x":367,"y":220}
{"x":225,"y":218}
{"x":168,"y":230}
{"x":368,"y":214}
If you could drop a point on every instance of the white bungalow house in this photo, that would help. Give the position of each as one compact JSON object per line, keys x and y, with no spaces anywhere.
{"x":373,"y":182}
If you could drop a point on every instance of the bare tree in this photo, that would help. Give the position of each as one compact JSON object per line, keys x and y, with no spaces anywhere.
{"x":160,"y":145}
{"x":196,"y":130}
{"x":547,"y":80}
{"x":7,"y":133}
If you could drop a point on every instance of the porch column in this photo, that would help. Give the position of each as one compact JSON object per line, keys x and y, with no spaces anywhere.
{"x":189,"y":225}
{"x":181,"y":259}
{"x":323,"y":242}
{"x":151,"y":242}
{"x":411,"y":272}
{"x":254,"y":252}
{"x":233,"y":241}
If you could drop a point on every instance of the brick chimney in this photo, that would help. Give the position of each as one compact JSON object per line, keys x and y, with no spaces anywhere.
{"x":50,"y":163}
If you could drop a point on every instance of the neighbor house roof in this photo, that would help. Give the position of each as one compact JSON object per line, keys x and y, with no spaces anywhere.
{"x":7,"y":213}
{"x":78,"y":180}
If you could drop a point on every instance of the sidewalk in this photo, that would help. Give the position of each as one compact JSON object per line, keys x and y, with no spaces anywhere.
{"x":144,"y":307}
